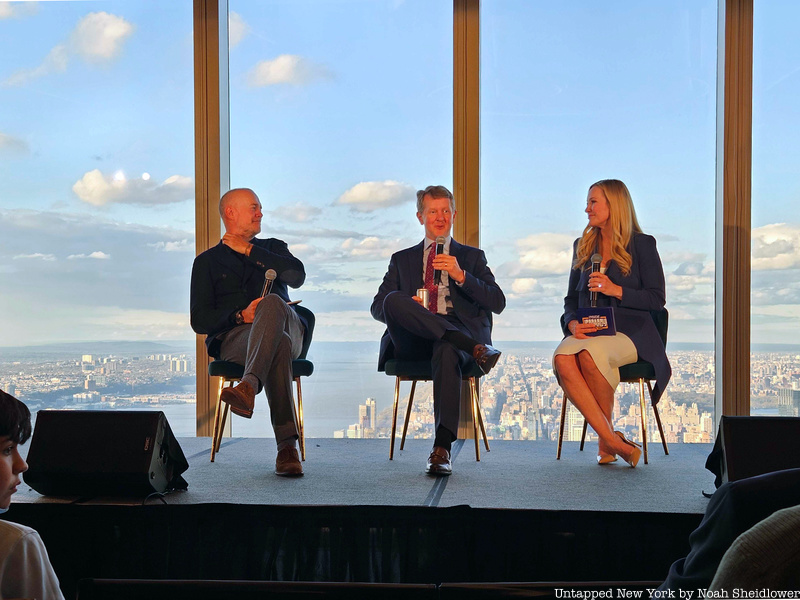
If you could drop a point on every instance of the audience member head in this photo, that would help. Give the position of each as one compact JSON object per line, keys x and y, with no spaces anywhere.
{"x":621,"y":225}
{"x":15,"y":429}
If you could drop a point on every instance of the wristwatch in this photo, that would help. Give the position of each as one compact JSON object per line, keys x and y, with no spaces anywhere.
{"x":238,"y":318}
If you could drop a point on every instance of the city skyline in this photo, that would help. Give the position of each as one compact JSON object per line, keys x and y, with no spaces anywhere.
{"x":96,"y":153}
{"x":521,"y":398}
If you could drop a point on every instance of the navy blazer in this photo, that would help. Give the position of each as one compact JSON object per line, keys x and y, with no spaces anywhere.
{"x":224,"y":281}
{"x":473,"y":302}
{"x":643,"y":290}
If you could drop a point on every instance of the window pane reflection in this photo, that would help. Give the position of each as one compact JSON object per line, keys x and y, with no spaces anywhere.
{"x":97,"y":215}
{"x":775,"y":236}
{"x":573,"y":93}
{"x":339,"y":113}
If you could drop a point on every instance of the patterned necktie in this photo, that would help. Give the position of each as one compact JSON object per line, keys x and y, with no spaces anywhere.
{"x":433,"y":289}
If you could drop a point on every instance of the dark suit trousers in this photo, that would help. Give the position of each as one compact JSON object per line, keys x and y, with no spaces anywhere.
{"x":417,"y":335}
{"x":266,"y":348}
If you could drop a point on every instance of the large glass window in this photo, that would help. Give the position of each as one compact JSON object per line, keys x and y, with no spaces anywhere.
{"x":572,"y":93}
{"x":775,"y":275}
{"x":339,"y":112}
{"x":97,"y":215}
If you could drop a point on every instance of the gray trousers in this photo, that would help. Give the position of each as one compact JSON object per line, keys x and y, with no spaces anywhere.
{"x":266,"y":348}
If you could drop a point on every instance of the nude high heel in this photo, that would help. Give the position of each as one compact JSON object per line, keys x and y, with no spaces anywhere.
{"x":606,"y":459}
{"x":636,"y":453}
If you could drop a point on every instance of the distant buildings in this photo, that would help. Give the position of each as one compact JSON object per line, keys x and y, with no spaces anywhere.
{"x":366,"y":425}
{"x":789,"y":402}
{"x":520,"y":398}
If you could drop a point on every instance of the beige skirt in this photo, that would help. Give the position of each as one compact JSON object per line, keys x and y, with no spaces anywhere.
{"x":609,"y":353}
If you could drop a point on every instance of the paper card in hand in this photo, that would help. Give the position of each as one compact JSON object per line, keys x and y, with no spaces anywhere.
{"x":602,"y":317}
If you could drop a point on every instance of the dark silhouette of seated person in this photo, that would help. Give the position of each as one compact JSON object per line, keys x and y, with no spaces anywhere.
{"x":733,"y":509}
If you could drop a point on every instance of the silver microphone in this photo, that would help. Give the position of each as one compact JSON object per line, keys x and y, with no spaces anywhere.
{"x":596,"y":260}
{"x":269,"y":279}
{"x":437,"y":273}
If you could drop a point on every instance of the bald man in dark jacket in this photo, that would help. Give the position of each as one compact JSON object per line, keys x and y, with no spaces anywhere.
{"x":263,"y":334}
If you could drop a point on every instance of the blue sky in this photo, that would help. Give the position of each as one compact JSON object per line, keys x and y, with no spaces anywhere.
{"x":339,"y":111}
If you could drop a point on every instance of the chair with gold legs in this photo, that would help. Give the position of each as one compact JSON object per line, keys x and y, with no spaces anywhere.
{"x":640,"y":372}
{"x":230,"y":372}
{"x":420,"y":370}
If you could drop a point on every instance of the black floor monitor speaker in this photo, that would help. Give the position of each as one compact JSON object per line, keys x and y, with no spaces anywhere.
{"x":104,"y":453}
{"x":750,"y":446}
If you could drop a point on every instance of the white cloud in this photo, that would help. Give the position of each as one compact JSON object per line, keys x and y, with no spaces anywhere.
{"x":540,"y":255}
{"x":368,"y":196}
{"x":525,"y":285}
{"x":287,"y":69}
{"x":99,"y":190}
{"x":15,"y":10}
{"x":687,"y":283}
{"x":775,"y":246}
{"x":238,"y":29}
{"x":55,"y":62}
{"x":370,"y":248}
{"x":98,"y":255}
{"x":115,"y":265}
{"x":35,"y":255}
{"x":681,"y":257}
{"x":787,"y":311}
{"x":297,"y":249}
{"x":184,"y":245}
{"x":12,"y":147}
{"x":138,"y":324}
{"x":299,"y":212}
{"x":66,"y":322}
{"x":97,"y":38}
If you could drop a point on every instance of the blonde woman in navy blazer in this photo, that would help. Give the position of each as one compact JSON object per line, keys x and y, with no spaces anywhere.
{"x":632,"y":281}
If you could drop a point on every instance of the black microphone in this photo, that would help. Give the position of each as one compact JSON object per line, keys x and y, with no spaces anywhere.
{"x":596,"y":260}
{"x":437,"y":273}
{"x":269,"y":279}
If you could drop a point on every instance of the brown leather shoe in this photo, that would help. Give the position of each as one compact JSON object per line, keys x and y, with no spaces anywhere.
{"x":439,"y":462}
{"x":241,"y":398}
{"x":288,"y":463}
{"x":485,"y":357}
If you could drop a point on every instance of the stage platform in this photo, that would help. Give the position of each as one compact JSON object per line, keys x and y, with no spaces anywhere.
{"x":517,"y":515}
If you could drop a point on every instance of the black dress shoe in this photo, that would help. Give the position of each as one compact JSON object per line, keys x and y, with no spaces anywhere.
{"x":439,"y":462}
{"x":485,"y":356}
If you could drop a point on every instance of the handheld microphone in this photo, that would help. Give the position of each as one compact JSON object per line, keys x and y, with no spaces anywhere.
{"x":596,"y":260}
{"x":269,"y":279}
{"x":437,"y":273}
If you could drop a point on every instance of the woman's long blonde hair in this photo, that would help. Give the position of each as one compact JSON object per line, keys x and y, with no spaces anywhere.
{"x":623,"y":225}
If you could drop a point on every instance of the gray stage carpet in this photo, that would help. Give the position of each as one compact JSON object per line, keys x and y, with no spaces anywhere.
{"x":514,"y":475}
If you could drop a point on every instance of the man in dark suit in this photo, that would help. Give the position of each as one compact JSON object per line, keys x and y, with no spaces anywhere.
{"x":456,"y":326}
{"x":263,"y":334}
